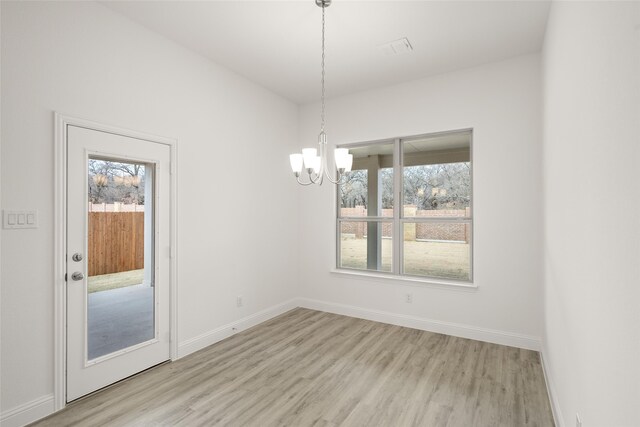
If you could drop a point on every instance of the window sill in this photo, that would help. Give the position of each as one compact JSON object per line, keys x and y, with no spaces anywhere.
{"x":408,"y":280}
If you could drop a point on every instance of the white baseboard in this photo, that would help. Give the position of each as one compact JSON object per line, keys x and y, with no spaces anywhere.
{"x":28,"y":412}
{"x":551,"y":391}
{"x":459,"y":330}
{"x":204,"y":340}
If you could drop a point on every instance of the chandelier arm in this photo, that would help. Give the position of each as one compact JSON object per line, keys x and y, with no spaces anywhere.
{"x":340,"y":179}
{"x":317,"y":179}
{"x":323,"y":158}
{"x":303,"y":183}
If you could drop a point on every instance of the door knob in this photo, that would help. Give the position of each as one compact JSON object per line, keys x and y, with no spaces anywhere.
{"x":77,"y":276}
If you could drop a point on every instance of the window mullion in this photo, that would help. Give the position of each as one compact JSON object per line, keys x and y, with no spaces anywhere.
{"x":397,"y":207}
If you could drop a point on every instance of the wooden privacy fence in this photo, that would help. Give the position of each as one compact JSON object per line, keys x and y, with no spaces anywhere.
{"x":116,"y":242}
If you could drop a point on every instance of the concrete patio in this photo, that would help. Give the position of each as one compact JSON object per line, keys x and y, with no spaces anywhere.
{"x":119,"y":318}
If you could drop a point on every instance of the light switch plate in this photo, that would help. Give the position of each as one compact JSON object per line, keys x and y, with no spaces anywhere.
{"x":20,"y":219}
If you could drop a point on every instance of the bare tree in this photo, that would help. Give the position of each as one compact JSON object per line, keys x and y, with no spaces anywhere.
{"x":353,"y":192}
{"x":439,"y":186}
{"x":111,"y":182}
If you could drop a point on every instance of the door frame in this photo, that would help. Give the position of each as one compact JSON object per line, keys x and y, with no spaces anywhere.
{"x":60,"y":242}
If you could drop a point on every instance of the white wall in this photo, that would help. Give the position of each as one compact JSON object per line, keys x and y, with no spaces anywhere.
{"x":237,"y":237}
{"x":502,"y":103}
{"x":83,"y":60}
{"x":592,"y":201}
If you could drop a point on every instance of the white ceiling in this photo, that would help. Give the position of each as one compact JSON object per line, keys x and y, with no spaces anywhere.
{"x":277,"y":43}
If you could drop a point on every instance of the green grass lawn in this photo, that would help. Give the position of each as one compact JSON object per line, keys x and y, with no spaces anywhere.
{"x":104,"y":282}
{"x":448,"y":260}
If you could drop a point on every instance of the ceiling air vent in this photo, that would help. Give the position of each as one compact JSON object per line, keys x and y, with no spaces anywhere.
{"x":396,"y":47}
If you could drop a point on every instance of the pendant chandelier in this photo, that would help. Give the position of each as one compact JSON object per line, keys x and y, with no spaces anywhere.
{"x":313,"y":163}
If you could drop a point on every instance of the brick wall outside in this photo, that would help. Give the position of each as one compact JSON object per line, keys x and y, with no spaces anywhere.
{"x":417,"y":231}
{"x":359,"y":229}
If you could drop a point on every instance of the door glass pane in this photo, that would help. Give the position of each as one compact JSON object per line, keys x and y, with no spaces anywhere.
{"x":437,"y":249}
{"x":120,"y":299}
{"x":366,"y":245}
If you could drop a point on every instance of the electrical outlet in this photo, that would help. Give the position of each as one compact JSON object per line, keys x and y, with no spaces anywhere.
{"x":408,"y":298}
{"x":239,"y":300}
{"x":578,"y":420}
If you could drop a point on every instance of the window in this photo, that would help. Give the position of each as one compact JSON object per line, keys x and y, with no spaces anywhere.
{"x":405,"y":208}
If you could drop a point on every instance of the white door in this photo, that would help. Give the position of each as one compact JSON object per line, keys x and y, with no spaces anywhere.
{"x":118,"y":257}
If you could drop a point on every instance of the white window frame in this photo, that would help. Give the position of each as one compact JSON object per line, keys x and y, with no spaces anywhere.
{"x":398,"y":220}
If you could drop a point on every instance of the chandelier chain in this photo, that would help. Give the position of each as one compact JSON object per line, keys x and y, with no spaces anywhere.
{"x":322,"y":79}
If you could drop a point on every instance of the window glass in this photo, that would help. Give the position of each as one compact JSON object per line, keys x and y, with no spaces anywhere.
{"x":386,"y":189}
{"x":437,"y":249}
{"x":432,"y":225}
{"x":436,"y":176}
{"x":353,"y":194}
{"x":368,"y":189}
{"x":366,"y":245}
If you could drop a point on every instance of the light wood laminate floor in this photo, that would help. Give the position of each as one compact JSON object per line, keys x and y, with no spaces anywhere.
{"x":310,"y":368}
